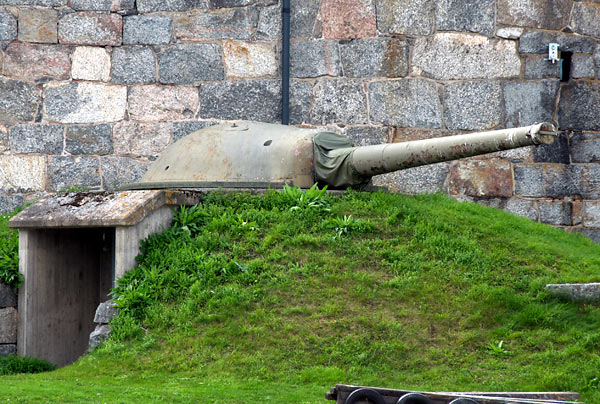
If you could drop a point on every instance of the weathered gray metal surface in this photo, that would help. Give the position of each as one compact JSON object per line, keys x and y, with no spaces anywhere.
{"x":379,"y":159}
{"x":340,"y":393}
{"x":252,"y":154}
{"x":246,"y":153}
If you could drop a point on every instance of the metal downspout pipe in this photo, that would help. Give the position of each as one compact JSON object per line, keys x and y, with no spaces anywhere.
{"x":285,"y":63}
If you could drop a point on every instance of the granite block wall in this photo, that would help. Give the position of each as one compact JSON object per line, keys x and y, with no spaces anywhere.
{"x":91,"y":91}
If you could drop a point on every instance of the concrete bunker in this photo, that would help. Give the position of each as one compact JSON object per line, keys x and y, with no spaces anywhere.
{"x":72,"y":248}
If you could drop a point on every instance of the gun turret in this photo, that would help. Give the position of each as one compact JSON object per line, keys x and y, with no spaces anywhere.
{"x":246,"y":154}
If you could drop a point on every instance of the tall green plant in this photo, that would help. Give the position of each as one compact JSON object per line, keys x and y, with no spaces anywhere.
{"x":9,"y":252}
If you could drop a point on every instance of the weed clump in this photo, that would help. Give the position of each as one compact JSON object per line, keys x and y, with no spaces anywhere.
{"x":9,"y":252}
{"x":12,"y":365}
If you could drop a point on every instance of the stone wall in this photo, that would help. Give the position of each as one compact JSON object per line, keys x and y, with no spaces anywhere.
{"x":8,"y":321}
{"x":92,"y":90}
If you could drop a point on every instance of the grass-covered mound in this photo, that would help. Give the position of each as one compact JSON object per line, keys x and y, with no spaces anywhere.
{"x":275,"y":298}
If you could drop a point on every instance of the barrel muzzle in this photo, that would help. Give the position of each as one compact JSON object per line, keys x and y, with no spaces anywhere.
{"x":543,"y":133}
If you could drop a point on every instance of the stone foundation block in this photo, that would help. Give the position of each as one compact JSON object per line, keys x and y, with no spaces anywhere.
{"x":44,"y":3}
{"x":410,"y":17}
{"x":454,"y":56}
{"x":203,"y":62}
{"x":546,"y":180}
{"x":89,"y":139}
{"x":157,"y":103}
{"x":148,"y":6}
{"x":142,"y":139}
{"x":417,"y":180}
{"x":47,"y":139}
{"x":587,"y":177}
{"x":348,"y":19}
{"x":530,"y":102}
{"x":375,"y":57}
{"x":261,"y":101}
{"x":18,"y":101}
{"x":522,"y":207}
{"x":314,"y":58}
{"x":304,"y":19}
{"x":38,"y":25}
{"x":368,"y":135}
{"x":579,"y":107}
{"x":87,"y":28}
{"x":91,"y":63}
{"x":405,"y":103}
{"x":117,"y":171}
{"x":576,"y":291}
{"x":592,"y":214}
{"x":133,"y":65}
{"x":555,"y":212}
{"x":8,"y":26}
{"x":232,"y":23}
{"x":246,"y":60}
{"x":102,"y":5}
{"x":480,"y":178}
{"x":544,"y":14}
{"x":585,"y":18}
{"x":473,"y":105}
{"x":80,"y":102}
{"x":301,"y":93}
{"x":8,"y":349}
{"x":35,"y":62}
{"x":339,"y":101}
{"x":8,"y":297}
{"x":582,"y":67}
{"x":65,"y":172}
{"x":557,"y":152}
{"x":585,"y":148}
{"x":8,"y":325}
{"x":466,"y":15}
{"x":147,"y":30}
{"x":22,"y":173}
{"x":537,"y":42}
{"x":269,"y":24}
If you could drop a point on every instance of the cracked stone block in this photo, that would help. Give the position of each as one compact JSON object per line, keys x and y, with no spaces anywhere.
{"x":232,"y":23}
{"x":466,"y":15}
{"x":133,"y":65}
{"x":582,"y":66}
{"x":8,"y":26}
{"x":303,"y":16}
{"x":118,"y":171}
{"x":585,"y":148}
{"x":100,"y":334}
{"x":89,"y":139}
{"x":203,"y":62}
{"x":22,"y":173}
{"x":91,"y":63}
{"x":591,"y":217}
{"x":88,"y":28}
{"x":147,"y":30}
{"x":529,"y":102}
{"x":374,"y":57}
{"x":81,"y":102}
{"x":455,"y":56}
{"x":348,"y":19}
{"x":409,"y":17}
{"x":247,"y":60}
{"x":38,"y":25}
{"x":35,"y":62}
{"x":269,"y":24}
{"x":47,"y":139}
{"x":405,"y":103}
{"x":301,"y":93}
{"x":547,"y":180}
{"x":142,"y":138}
{"x":339,"y":101}
{"x":585,"y":18}
{"x":579,"y":108}
{"x":8,"y":297}
{"x":261,"y":101}
{"x":314,"y":58}
{"x":472,"y":105}
{"x":157,"y":103}
{"x":105,"y":312}
{"x":477,"y":178}
{"x":67,"y":171}
{"x":551,"y":15}
{"x":18,"y":101}
{"x":557,"y":213}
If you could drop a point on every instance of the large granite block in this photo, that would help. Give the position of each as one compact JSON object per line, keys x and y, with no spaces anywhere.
{"x":409,"y":17}
{"x":579,"y":106}
{"x":66,"y":171}
{"x":8,"y":325}
{"x":38,"y":25}
{"x":374,"y":57}
{"x":133,"y":65}
{"x":147,"y":30}
{"x":88,"y":28}
{"x":163,"y":103}
{"x":36,"y":62}
{"x":203,"y":62}
{"x":47,"y":139}
{"x":466,"y":15}
{"x":473,"y":105}
{"x":18,"y":101}
{"x":341,"y":101}
{"x":348,"y":19}
{"x":89,"y":139}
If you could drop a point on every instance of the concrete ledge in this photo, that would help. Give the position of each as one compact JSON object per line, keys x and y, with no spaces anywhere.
{"x":576,"y":291}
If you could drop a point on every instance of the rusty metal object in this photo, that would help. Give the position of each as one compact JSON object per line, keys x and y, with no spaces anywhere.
{"x":246,"y":154}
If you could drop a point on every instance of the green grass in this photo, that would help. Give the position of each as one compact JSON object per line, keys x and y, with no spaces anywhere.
{"x":277,"y":298}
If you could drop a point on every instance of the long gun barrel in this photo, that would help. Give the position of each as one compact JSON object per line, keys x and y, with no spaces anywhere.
{"x":246,"y":154}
